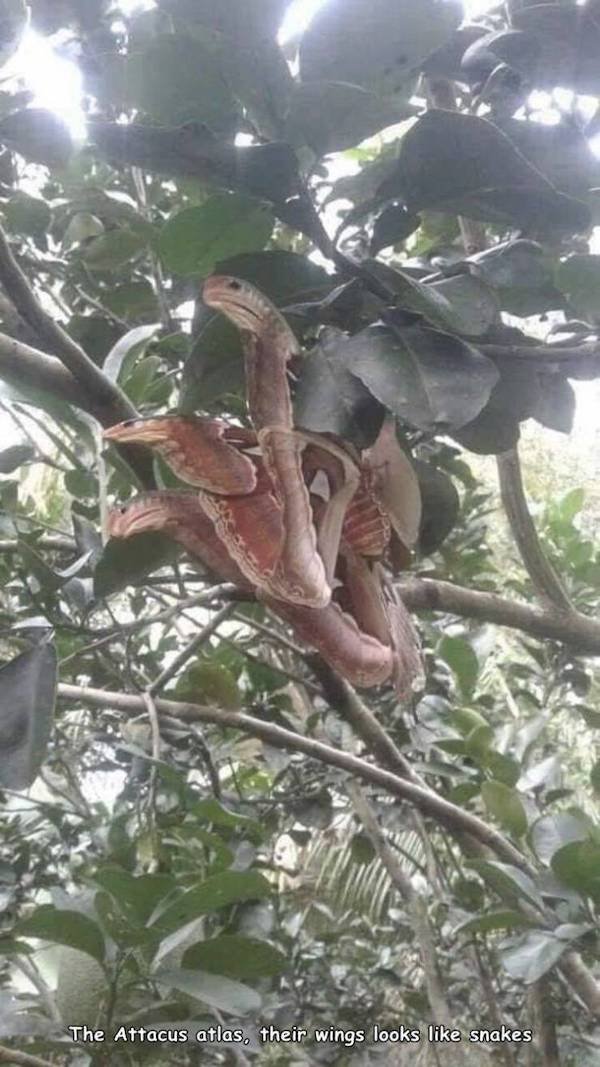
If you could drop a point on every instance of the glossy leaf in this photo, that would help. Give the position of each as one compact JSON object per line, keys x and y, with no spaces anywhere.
{"x":27,"y":695}
{"x":64,"y":927}
{"x":534,"y":956}
{"x":230,"y":887}
{"x":374,"y":43}
{"x":506,"y":807}
{"x":330,"y":399}
{"x":428,"y":378}
{"x":234,"y":956}
{"x":195,"y":239}
{"x":125,"y":562}
{"x":465,"y":165}
{"x":213,"y":990}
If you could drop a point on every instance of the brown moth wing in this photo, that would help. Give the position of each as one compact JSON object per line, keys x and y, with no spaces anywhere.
{"x":206,"y":453}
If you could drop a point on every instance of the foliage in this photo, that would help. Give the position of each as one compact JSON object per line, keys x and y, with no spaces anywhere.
{"x":206,"y":877}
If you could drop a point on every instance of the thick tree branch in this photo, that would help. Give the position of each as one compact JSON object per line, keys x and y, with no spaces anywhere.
{"x":26,"y":367}
{"x":12,"y":1055}
{"x":423,"y":798}
{"x":83,"y":369}
{"x":426,"y":594}
{"x":543,"y":576}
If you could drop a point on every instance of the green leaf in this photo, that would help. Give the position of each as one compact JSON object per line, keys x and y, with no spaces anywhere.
{"x":440,"y":507}
{"x":521,"y":275}
{"x":139,"y":895}
{"x":503,"y":768}
{"x":570,"y":44}
{"x":474,"y":305}
{"x":133,"y":343}
{"x":571,"y":504}
{"x":27,"y":214}
{"x":27,"y":696}
{"x":131,"y":300}
{"x":229,"y":887}
{"x":64,"y":927}
{"x":285,"y":277}
{"x":208,"y":682}
{"x":460,"y":657}
{"x":464,"y":165}
{"x":113,"y":249}
{"x":235,"y":956}
{"x":577,"y":865}
{"x":214,"y":367}
{"x":508,"y":881}
{"x":578,"y":277}
{"x":506,"y":807}
{"x":38,"y":135}
{"x":328,"y":399}
{"x":195,"y":239}
{"x":126,"y":562}
{"x":330,"y":116}
{"x":428,"y":378}
{"x":178,"y":79}
{"x":535,"y":954}
{"x":374,"y":43}
{"x":550,"y":833}
{"x":492,"y":921}
{"x":13,"y":457}
{"x":211,"y":989}
{"x":362,"y":849}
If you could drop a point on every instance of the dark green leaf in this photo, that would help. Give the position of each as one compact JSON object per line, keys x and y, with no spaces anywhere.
{"x":285,"y":277}
{"x":195,"y":239}
{"x":460,"y":657}
{"x":127,"y":562}
{"x":13,"y":457}
{"x":330,"y":116}
{"x":330,"y":399}
{"x":474,"y":304}
{"x":38,"y":135}
{"x":508,"y":881}
{"x":431,"y":380}
{"x":551,"y":832}
{"x":176,"y":79}
{"x":578,"y":277}
{"x":137,"y":894}
{"x":113,"y":249}
{"x":64,"y":927}
{"x":27,"y":695}
{"x":221,"y":993}
{"x":235,"y":957}
{"x":535,"y":954}
{"x":464,"y":164}
{"x":392,"y":226}
{"x":27,"y":214}
{"x":440,"y":506}
{"x":521,"y":276}
{"x":374,"y":43}
{"x":506,"y":806}
{"x":491,"y":921}
{"x":570,"y":44}
{"x":230,"y":887}
{"x":577,"y":865}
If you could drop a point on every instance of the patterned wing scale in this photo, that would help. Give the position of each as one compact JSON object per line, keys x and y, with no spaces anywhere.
{"x":360,"y":658}
{"x":366,"y":526}
{"x":250,"y":527}
{"x":179,"y":515}
{"x":202,"y":452}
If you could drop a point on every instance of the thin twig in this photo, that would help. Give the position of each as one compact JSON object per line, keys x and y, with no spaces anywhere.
{"x":182,"y":657}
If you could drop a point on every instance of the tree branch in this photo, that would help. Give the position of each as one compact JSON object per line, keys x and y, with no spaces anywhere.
{"x":12,"y":1055}
{"x":83,"y":369}
{"x":423,"y":798}
{"x":543,"y":576}
{"x":574,"y":629}
{"x":26,"y":367}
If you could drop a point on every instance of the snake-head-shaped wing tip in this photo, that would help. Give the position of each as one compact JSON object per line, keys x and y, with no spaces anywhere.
{"x":202,"y":452}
